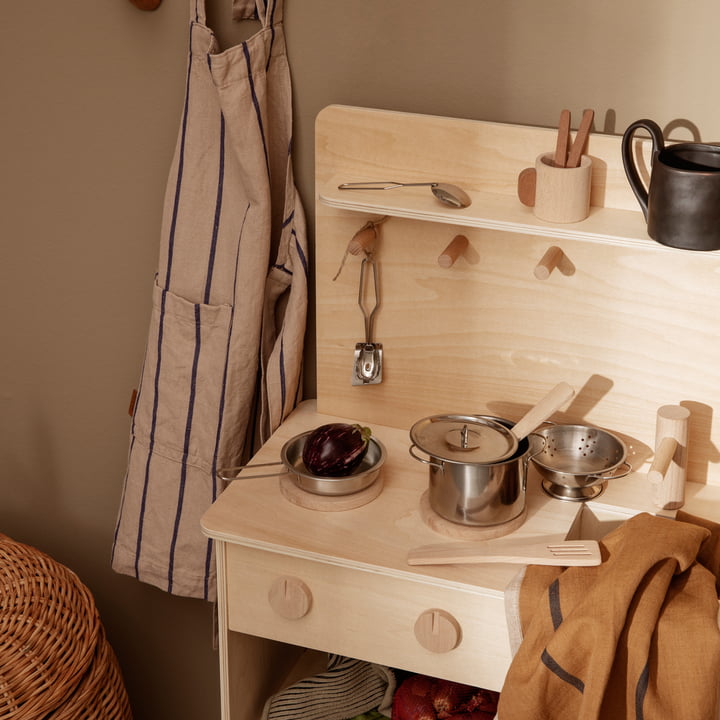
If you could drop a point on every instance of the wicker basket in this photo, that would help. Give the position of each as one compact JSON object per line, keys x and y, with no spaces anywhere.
{"x":55,"y":661}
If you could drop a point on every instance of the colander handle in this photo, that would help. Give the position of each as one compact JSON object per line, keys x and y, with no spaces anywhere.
{"x":613,"y":477}
{"x":422,"y":459}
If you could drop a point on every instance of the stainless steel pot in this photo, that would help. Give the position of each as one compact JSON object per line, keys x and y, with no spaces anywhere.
{"x":474,"y":493}
{"x":291,"y":453}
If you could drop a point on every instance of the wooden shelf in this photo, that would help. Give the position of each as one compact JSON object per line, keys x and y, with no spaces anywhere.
{"x":493,"y":211}
{"x":630,"y":323}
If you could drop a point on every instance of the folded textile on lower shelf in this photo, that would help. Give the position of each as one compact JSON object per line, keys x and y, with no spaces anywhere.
{"x":635,"y":637}
{"x":349,"y":688}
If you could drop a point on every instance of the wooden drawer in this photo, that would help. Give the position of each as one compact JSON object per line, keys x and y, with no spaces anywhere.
{"x":359,"y":613}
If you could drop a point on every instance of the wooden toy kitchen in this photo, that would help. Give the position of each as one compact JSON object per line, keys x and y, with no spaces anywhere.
{"x":478,"y":310}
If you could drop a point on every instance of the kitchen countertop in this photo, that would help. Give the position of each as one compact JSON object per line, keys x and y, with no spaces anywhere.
{"x":377,"y":536}
{"x":364,"y":596}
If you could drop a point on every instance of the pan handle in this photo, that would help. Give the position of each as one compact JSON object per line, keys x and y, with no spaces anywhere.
{"x":423,"y":460}
{"x":224,"y":473}
{"x":627,"y":465}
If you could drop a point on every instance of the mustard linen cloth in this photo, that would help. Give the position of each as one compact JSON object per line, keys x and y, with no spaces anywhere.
{"x":636,"y":637}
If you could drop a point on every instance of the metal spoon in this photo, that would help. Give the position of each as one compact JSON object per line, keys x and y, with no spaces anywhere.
{"x":449,"y":194}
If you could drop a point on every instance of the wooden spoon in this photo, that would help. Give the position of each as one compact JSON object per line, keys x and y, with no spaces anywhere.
{"x":581,"y":137}
{"x":537,"y":415}
{"x":527,"y":179}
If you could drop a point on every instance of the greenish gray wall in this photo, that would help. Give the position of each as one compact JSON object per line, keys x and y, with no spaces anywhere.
{"x":91,"y":95}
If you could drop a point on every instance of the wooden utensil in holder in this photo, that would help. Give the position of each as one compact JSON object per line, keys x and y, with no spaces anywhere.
{"x":668,"y":471}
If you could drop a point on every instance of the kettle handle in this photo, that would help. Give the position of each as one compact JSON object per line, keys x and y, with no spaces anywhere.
{"x":629,"y":161}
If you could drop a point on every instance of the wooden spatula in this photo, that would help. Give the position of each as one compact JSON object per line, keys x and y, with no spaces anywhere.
{"x":564,"y":553}
{"x":581,"y":137}
{"x":563,"y":138}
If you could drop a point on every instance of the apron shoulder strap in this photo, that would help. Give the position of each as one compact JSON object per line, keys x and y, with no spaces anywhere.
{"x":197,"y":11}
{"x":267,"y":11}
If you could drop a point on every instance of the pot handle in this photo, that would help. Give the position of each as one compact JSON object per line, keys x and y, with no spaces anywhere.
{"x":629,"y":160}
{"x":628,"y":467}
{"x":224,"y":473}
{"x":423,"y":460}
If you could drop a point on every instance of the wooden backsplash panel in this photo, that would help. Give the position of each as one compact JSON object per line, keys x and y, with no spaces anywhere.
{"x":632,"y":328}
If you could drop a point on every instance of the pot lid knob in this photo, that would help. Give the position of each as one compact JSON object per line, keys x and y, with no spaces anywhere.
{"x":463,"y":438}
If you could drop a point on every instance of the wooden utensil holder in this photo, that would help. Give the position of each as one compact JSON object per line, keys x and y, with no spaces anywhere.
{"x":562,"y":194}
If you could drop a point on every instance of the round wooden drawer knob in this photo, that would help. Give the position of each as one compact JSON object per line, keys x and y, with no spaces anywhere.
{"x":437,"y":631}
{"x":290,"y":597}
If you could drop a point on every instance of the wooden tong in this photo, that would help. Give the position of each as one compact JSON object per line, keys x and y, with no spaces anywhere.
{"x":571,"y":159}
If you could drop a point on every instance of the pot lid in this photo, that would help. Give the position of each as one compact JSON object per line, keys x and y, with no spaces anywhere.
{"x":464,"y":438}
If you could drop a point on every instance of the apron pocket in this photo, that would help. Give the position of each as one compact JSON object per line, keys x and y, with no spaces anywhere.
{"x":179,"y":406}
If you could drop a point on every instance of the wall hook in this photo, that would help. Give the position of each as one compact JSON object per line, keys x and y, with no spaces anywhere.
{"x":363,"y":241}
{"x":146,"y":4}
{"x":453,"y":251}
{"x":553,"y":258}
{"x":668,"y":471}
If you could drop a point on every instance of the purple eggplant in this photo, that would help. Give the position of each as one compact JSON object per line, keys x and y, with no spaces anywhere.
{"x":335,"y":449}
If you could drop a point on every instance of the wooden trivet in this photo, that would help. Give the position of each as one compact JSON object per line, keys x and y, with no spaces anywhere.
{"x":329,"y":503}
{"x":466,"y":532}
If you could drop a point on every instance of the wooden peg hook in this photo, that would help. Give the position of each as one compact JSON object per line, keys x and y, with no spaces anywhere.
{"x":363,"y":241}
{"x":548,"y":262}
{"x":453,"y":251}
{"x":668,"y":471}
{"x":553,"y":258}
{"x":664,"y":454}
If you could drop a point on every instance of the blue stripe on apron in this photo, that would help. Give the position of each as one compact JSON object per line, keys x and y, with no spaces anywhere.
{"x":171,"y":242}
{"x":188,"y":430}
{"x":256,"y":104}
{"x":152,"y":440}
{"x":218,"y":208}
{"x":209,"y":545}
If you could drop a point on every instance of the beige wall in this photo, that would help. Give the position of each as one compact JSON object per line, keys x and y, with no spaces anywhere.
{"x":91,"y":93}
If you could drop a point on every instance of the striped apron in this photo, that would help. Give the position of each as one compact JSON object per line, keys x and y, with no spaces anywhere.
{"x":222,"y":367}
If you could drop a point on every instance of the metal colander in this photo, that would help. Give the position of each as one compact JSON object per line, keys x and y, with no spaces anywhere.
{"x":578,"y":456}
